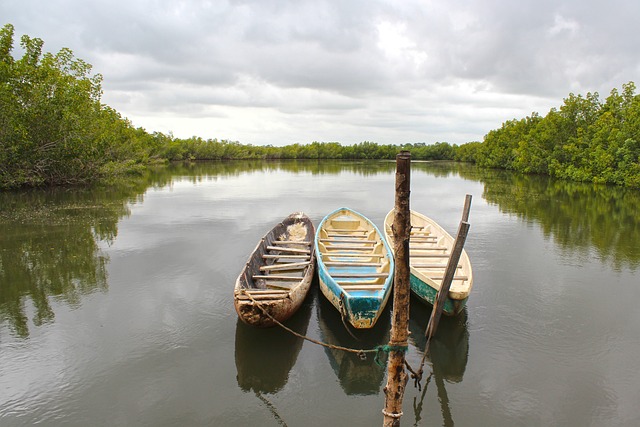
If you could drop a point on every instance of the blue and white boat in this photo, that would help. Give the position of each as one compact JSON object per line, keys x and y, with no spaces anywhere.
{"x":355,"y":266}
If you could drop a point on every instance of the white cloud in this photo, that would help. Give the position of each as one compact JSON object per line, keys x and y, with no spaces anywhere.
{"x":279,"y":72}
{"x":562,"y":24}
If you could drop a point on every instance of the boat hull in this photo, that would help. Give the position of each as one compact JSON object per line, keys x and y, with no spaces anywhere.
{"x":361,"y":312}
{"x":265,"y":291}
{"x":427,"y":294}
{"x":281,"y":310}
{"x":430,"y":250}
{"x":355,"y":267}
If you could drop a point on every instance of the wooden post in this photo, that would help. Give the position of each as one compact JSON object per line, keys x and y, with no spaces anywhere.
{"x":396,"y":376}
{"x":452,"y":265}
{"x":438,"y":306}
{"x":466,"y":208}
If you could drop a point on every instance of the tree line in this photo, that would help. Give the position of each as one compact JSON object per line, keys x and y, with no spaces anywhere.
{"x":54,"y":130}
{"x":586,"y":140}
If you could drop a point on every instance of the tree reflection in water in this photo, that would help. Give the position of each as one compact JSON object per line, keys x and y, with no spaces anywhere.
{"x":49,"y":248}
{"x":50,"y":240}
{"x":579,"y":216}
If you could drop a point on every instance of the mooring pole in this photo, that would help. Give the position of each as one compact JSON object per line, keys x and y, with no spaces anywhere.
{"x":396,"y":376}
{"x":456,"y":252}
{"x":441,"y":296}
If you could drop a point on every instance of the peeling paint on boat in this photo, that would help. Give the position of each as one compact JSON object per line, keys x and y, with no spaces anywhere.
{"x":361,"y":307}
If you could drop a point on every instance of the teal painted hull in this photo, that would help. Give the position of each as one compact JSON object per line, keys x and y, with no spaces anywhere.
{"x":361,"y":311}
{"x":430,"y":251}
{"x":427,"y":294}
{"x":361,"y":308}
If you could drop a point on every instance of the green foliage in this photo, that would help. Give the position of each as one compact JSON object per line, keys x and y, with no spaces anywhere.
{"x":195,"y":148}
{"x":468,"y":152}
{"x":53,"y":129}
{"x":585,"y":140}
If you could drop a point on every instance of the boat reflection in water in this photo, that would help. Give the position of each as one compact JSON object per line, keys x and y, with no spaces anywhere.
{"x":448,"y":354}
{"x":264,"y":357}
{"x":356,"y":376}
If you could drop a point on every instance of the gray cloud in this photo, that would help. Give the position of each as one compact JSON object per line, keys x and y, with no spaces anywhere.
{"x":278,"y":72}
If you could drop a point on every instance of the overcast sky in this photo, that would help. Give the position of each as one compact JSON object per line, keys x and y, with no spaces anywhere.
{"x":281,"y":72}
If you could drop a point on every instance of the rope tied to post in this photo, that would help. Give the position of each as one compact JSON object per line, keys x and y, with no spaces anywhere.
{"x":402,"y":347}
{"x":392,"y":415}
{"x":361,"y":353}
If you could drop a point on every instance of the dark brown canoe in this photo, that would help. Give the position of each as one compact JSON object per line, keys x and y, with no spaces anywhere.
{"x":279,"y":272}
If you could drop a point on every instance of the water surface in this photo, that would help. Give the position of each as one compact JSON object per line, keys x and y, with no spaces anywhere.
{"x":116,"y":303}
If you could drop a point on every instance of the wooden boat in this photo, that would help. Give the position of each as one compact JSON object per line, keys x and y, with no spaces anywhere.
{"x":279,"y":272}
{"x":355,"y":266}
{"x":430,"y":248}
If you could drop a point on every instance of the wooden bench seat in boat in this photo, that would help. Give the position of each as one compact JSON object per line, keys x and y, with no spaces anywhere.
{"x":352,"y":264}
{"x":358,"y":275}
{"x":424,"y":248}
{"x":290,"y":242}
{"x":423,"y":239}
{"x":414,"y":255}
{"x":463,"y":278}
{"x":277,"y":277}
{"x":363,"y":287}
{"x":345,"y":238}
{"x":263,"y":294}
{"x":352,"y":241}
{"x":358,"y":247}
{"x":286,"y":249}
{"x":286,"y":257}
{"x":432,"y":266}
{"x":286,"y":266}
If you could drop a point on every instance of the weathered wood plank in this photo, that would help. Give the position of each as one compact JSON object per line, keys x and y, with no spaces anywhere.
{"x":289,"y":242}
{"x":421,"y":239}
{"x":352,"y":247}
{"x":375,"y":288}
{"x":276,"y":277}
{"x":261,"y":291}
{"x":283,"y":256}
{"x":278,"y":286}
{"x":443,"y":266}
{"x":359,"y":275}
{"x":285,"y":249}
{"x":422,"y":248}
{"x":338,"y":254}
{"x":350,"y":233}
{"x":353,"y":263}
{"x":454,"y":278}
{"x":345,"y":237}
{"x":414,"y":255}
{"x":286,"y":266}
{"x":349,"y":240}
{"x":263,"y":297}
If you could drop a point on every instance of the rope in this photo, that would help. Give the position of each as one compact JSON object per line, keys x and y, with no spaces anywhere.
{"x":386,"y":349}
{"x":272,"y":409}
{"x":417,"y":376}
{"x":392,"y":415}
{"x":343,"y":316}
{"x":362,"y":354}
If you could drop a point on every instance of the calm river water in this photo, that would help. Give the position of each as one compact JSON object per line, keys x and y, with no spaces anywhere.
{"x":116,"y":304}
